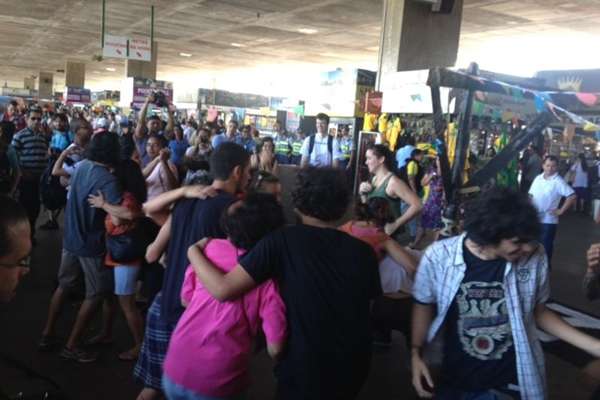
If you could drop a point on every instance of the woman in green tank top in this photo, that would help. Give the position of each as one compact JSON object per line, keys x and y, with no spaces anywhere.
{"x":380,"y":162}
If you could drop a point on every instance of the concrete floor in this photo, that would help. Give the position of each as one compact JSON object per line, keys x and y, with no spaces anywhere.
{"x":21,"y":322}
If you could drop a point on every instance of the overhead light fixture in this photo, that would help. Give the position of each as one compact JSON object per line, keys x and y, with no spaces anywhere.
{"x":111,"y":69}
{"x":185,"y":54}
{"x":308,"y":31}
{"x":237,"y":45}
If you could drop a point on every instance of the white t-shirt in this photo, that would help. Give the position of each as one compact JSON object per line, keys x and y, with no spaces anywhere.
{"x":546,"y":195}
{"x":320,"y":156}
{"x":581,"y":177}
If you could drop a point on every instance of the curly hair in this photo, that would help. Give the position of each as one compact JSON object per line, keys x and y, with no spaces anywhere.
{"x":321,"y":193}
{"x":376,"y":210}
{"x":252,"y":219}
{"x":501,"y":213}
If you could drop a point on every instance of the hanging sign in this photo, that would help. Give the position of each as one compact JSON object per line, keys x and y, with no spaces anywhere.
{"x":115,"y":46}
{"x":140,"y":48}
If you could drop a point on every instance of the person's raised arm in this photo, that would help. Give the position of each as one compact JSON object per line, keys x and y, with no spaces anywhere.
{"x":141,"y":125}
{"x":170,"y":119}
{"x":398,"y":189}
{"x":147,"y":170}
{"x":222,"y":287}
{"x":168,"y":167}
{"x":155,"y":250}
{"x":57,"y":168}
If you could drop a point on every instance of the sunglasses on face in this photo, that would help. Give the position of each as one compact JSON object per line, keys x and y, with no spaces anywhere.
{"x":35,"y":118}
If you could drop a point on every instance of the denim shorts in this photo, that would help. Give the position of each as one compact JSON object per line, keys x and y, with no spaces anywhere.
{"x":126,"y":279}
{"x":173,"y":391}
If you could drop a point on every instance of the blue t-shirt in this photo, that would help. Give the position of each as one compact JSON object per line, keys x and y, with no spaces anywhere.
{"x":479,"y":351}
{"x":60,"y":140}
{"x":140,"y":145}
{"x":84,"y":225}
{"x":247,"y":143}
{"x":178,"y":149}
{"x":217,"y":140}
{"x":404,"y":154}
{"x":191,"y":220}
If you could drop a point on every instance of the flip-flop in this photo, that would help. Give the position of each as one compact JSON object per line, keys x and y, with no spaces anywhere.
{"x":127,"y":356}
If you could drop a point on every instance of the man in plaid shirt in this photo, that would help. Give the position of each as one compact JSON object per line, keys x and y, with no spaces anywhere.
{"x":483,"y":293}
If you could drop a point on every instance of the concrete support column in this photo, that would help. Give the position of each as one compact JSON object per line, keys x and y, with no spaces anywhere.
{"x":414,"y":37}
{"x":29,"y":83}
{"x":75,"y":74}
{"x":45,"y":85}
{"x":143,"y":69}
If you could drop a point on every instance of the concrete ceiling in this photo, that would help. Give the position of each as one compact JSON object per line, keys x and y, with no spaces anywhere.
{"x":40,"y":35}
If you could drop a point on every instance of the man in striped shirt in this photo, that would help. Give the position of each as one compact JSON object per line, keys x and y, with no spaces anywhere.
{"x":31,"y":147}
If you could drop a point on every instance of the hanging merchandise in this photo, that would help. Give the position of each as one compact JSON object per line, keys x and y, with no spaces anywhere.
{"x":394,"y":133}
{"x":450,"y":137}
{"x":508,"y":177}
{"x":370,"y":122}
{"x":383,"y":123}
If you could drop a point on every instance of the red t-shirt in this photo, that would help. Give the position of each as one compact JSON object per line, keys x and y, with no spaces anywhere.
{"x":373,"y":236}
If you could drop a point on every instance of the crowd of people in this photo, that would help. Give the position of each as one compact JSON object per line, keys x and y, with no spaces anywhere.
{"x":188,"y":216}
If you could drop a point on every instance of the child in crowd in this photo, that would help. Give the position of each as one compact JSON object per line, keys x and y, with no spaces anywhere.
{"x":210,"y":349}
{"x":371,"y":218}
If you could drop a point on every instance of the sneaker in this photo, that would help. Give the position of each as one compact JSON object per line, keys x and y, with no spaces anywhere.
{"x":78,"y":355}
{"x":49,"y":226}
{"x":47,"y":343}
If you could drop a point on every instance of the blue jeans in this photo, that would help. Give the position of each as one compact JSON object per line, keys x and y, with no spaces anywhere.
{"x":547,"y":239}
{"x":173,"y":391}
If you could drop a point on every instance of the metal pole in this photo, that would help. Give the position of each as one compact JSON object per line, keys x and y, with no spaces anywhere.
{"x":103,"y":21}
{"x":464,"y":135}
{"x":380,"y":53}
{"x":151,"y":25}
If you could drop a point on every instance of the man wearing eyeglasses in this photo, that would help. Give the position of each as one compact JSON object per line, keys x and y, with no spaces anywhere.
{"x":14,"y":247}
{"x":31,"y":147}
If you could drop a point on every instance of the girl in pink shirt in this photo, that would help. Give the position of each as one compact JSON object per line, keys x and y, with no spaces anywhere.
{"x":210,"y":349}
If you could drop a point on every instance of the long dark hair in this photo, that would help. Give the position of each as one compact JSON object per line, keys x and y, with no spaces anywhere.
{"x":131,"y":179}
{"x":382,"y":151}
{"x":375,"y":210}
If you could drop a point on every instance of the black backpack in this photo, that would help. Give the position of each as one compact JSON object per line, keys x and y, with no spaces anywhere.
{"x":311,"y":145}
{"x":54,"y":195}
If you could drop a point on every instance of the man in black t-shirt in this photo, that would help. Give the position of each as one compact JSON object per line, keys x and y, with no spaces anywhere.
{"x":327,"y":279}
{"x":190,"y":221}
